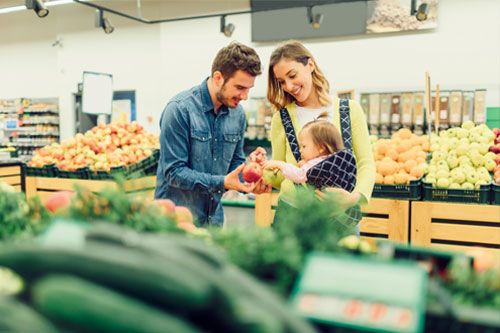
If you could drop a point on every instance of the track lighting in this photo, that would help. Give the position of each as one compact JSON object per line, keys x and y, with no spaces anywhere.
{"x":314,"y":19}
{"x":226,"y":29}
{"x":38,"y":6}
{"x":421,"y":12}
{"x":103,"y":22}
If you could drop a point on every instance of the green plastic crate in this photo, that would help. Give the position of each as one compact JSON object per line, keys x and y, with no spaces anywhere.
{"x":111,"y":174}
{"x":46,"y":171}
{"x":495,"y":194}
{"x":82,"y":173}
{"x":477,"y":196}
{"x":411,"y":191}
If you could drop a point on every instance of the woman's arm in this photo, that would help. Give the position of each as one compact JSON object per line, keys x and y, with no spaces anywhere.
{"x":363,"y":151}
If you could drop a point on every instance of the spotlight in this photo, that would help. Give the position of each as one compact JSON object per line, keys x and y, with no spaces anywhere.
{"x":38,"y":7}
{"x":421,"y":12}
{"x":314,"y":19}
{"x":226,"y":29}
{"x":103,"y":22}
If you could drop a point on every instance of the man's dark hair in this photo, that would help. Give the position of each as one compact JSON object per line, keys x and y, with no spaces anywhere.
{"x":235,"y":57}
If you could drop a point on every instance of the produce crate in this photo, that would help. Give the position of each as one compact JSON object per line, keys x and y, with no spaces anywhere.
{"x":46,"y":171}
{"x":411,"y":191}
{"x":12,"y":173}
{"x":495,"y":194}
{"x":479,"y":196}
{"x":43,"y":186}
{"x":455,"y":226}
{"x":82,"y":173}
{"x":466,"y":319}
{"x":111,"y":174}
{"x":144,"y":166}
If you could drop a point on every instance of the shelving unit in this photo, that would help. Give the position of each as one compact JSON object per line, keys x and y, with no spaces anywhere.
{"x":29,"y":124}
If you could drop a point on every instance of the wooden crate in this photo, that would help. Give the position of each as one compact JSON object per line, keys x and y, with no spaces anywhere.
{"x":12,"y":174}
{"x":383,"y":218}
{"x":455,"y":226}
{"x":43,"y":186}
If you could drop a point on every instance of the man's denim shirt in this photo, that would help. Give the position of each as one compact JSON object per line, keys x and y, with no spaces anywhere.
{"x":198,"y":149}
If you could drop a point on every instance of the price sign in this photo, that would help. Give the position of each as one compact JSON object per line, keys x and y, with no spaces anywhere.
{"x":362,"y":294}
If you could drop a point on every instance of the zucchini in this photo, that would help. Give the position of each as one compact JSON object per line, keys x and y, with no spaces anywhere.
{"x":94,"y":308}
{"x":16,"y":317}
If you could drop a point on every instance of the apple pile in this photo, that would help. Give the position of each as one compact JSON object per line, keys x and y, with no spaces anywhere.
{"x":101,"y":148}
{"x":460,"y":157}
{"x":400,"y":158}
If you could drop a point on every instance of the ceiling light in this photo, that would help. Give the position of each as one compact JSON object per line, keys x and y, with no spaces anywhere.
{"x":226,"y":29}
{"x":422,"y":12}
{"x":38,"y":7}
{"x":315,"y":20}
{"x":103,"y":22}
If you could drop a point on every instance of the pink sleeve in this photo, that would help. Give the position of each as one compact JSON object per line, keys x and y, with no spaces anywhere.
{"x":299,"y":175}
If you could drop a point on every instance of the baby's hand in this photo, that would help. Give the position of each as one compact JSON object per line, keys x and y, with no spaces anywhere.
{"x":274,"y":165}
{"x":301,"y":163}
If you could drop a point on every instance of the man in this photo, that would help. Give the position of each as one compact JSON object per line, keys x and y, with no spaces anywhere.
{"x":201,"y":137}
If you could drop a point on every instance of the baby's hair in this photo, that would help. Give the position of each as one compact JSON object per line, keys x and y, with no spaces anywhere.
{"x":324,"y":134}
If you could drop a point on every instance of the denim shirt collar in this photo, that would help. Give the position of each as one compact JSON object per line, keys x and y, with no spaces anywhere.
{"x":207,"y":100}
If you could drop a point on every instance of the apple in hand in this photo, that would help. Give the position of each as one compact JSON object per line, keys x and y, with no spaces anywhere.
{"x":252,"y":172}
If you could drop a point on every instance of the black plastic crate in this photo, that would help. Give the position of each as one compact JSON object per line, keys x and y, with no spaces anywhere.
{"x":145,"y":166}
{"x":82,"y":173}
{"x":478,"y":196}
{"x":46,"y":171}
{"x":495,"y":194}
{"x":111,"y":174}
{"x":411,"y":191}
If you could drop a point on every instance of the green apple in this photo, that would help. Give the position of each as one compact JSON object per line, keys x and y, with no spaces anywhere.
{"x":442,"y":165}
{"x":467,"y":186}
{"x":442,"y":183}
{"x":455,"y":186}
{"x":464,"y":160}
{"x":452,"y":161}
{"x":432,"y":169}
{"x":474,"y":137}
{"x":490,"y":155}
{"x":462,"y":133}
{"x":468,"y":125}
{"x":471,"y":177}
{"x":443,"y":134}
{"x":483,"y":148}
{"x":489,"y":164}
{"x":431,"y":179}
{"x":478,"y":184}
{"x":462,"y":149}
{"x":439,"y":155}
{"x":478,"y":161}
{"x":457,"y":176}
{"x":434,"y":147}
{"x":442,"y":173}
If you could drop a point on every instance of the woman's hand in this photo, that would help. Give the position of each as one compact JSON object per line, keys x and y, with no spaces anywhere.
{"x":340,"y":197}
{"x":258,"y":156}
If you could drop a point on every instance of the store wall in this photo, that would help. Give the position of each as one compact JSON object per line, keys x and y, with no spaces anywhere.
{"x":160,"y":60}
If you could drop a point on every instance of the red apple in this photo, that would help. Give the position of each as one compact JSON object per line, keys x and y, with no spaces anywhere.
{"x":166,"y":205}
{"x":58,"y":200}
{"x":183,"y":215}
{"x":252,"y":172}
{"x":496,"y":131}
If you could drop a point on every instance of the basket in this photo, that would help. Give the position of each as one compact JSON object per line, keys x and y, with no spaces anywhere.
{"x":411,"y":191}
{"x":477,"y":196}
{"x":82,"y":173}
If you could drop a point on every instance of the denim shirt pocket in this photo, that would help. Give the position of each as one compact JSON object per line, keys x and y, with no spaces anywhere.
{"x":230,"y":142}
{"x":200,"y":148}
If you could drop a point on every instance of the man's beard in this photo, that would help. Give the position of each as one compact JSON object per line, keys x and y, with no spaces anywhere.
{"x":220,"y":96}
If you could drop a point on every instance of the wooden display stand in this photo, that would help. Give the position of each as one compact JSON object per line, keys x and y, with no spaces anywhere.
{"x":43,"y":186}
{"x":455,"y":226}
{"x":12,"y":174}
{"x":383,"y":218}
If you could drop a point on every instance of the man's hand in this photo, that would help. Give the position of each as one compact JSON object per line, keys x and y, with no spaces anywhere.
{"x":258,"y":156}
{"x":232,"y":181}
{"x":262,"y":187}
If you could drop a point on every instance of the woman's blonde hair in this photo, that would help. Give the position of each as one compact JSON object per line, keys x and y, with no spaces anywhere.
{"x":295,"y":50}
{"x":324,"y":134}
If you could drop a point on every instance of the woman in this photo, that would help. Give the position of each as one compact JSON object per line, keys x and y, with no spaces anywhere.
{"x":297,"y":83}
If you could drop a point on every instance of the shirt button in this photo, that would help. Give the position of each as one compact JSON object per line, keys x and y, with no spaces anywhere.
{"x":215,"y":158}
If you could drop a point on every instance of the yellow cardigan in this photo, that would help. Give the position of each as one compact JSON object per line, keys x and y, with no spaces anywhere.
{"x":365,"y":176}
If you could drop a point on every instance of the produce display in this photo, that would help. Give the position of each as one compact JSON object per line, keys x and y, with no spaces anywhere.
{"x":401,"y":158}
{"x":101,"y":148}
{"x":461,"y":157}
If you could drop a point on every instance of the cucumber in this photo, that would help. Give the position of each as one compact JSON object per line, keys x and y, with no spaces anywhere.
{"x":153,"y":279}
{"x":97,"y":309}
{"x":16,"y":317}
